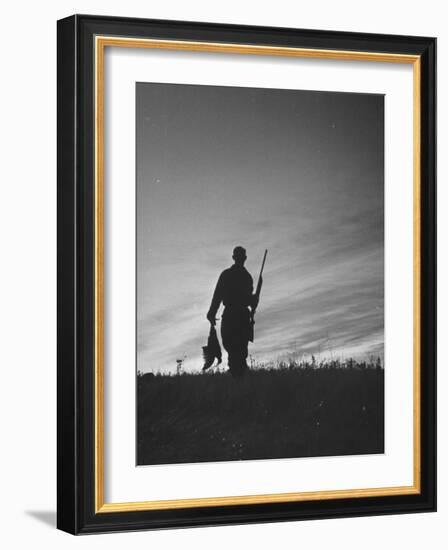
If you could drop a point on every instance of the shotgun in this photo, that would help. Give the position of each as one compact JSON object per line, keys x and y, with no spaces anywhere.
{"x":257,"y":297}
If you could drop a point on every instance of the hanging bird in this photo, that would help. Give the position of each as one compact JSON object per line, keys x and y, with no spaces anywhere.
{"x":212,"y":350}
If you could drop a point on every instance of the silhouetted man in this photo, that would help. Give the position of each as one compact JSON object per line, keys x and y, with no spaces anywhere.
{"x":235,"y":290}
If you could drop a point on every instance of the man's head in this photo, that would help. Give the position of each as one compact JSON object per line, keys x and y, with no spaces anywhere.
{"x":239,"y":255}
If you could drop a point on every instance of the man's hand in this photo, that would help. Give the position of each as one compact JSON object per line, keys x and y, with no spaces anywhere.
{"x":211,"y":318}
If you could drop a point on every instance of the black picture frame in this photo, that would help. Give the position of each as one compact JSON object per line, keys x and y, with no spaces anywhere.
{"x":76,"y":509}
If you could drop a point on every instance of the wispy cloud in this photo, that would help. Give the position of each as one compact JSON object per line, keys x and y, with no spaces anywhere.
{"x":299,"y":173}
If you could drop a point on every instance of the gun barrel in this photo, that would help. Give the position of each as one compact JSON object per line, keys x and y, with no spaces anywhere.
{"x":264,"y":260}
{"x":261,"y":273}
{"x":257,"y":294}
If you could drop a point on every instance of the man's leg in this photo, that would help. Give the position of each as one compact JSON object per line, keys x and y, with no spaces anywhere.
{"x":227,"y":341}
{"x":243,"y":352}
{"x":237,"y":360}
{"x":235,"y":340}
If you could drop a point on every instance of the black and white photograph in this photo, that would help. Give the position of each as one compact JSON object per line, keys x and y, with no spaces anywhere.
{"x":260,"y":273}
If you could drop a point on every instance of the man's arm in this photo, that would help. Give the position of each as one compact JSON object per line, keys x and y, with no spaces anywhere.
{"x":216,"y":301}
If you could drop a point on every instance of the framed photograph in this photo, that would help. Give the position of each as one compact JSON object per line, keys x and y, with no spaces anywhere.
{"x":246,"y":274}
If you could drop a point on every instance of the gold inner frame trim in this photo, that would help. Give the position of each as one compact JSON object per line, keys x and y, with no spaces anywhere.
{"x":101,"y":42}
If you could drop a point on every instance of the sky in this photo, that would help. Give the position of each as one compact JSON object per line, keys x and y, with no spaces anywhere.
{"x":300,"y":173}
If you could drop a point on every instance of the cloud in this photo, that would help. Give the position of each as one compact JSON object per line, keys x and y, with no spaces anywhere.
{"x":336,"y":306}
{"x":299,"y":173}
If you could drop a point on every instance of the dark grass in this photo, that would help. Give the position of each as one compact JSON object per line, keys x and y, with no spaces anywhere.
{"x":275,"y":413}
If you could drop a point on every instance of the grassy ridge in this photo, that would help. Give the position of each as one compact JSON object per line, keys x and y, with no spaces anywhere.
{"x":276,"y":413}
